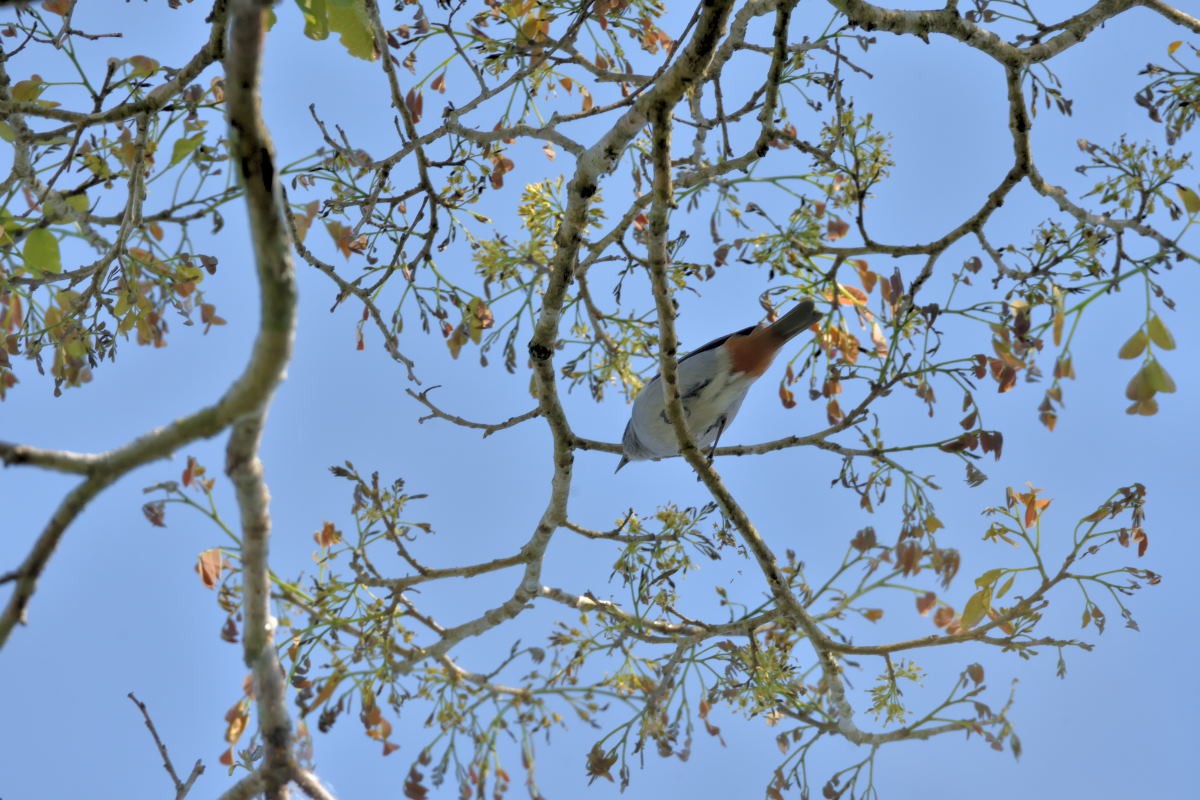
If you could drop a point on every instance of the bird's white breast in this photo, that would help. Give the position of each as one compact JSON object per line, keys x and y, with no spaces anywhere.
{"x":708,"y":389}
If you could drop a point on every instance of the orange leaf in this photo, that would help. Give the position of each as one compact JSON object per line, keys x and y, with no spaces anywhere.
{"x":189,"y":472}
{"x":786,"y":397}
{"x":865,"y":275}
{"x":1033,"y":508}
{"x":236,"y":716}
{"x":209,"y":565}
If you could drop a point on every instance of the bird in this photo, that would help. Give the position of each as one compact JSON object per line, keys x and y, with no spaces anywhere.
{"x":713,"y":381}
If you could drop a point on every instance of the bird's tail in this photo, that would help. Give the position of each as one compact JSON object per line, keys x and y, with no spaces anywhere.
{"x":798,"y":319}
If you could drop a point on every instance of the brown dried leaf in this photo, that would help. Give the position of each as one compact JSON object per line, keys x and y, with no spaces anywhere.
{"x":925,"y":603}
{"x":599,"y":763}
{"x":864,"y":540}
{"x":328,"y":536}
{"x":156,"y":513}
{"x":975,"y":671}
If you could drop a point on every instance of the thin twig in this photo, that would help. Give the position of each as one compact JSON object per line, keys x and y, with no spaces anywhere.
{"x":181,"y":787}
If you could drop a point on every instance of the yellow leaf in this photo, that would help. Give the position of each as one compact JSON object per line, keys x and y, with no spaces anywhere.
{"x":236,"y":717}
{"x":1158,"y":378}
{"x":1138,"y":388}
{"x":27,"y":91}
{"x":1134,"y":345}
{"x":1172,"y":47}
{"x":1159,"y":333}
{"x":988,"y":578}
{"x":1144,"y":408}
{"x":456,"y":340}
{"x":1191,"y":200}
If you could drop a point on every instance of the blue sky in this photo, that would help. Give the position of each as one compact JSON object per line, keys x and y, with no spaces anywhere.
{"x":120,"y":608}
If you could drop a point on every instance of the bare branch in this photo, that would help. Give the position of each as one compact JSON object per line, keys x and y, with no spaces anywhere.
{"x":181,"y":787}
{"x":488,"y":428}
{"x":55,"y":460}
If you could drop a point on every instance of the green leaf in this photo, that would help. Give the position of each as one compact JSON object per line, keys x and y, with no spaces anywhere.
{"x":184,"y":148}
{"x":79,"y":202}
{"x":6,"y":132}
{"x":1191,"y":200}
{"x":316,"y":20}
{"x":41,"y":253}
{"x":1004,"y":587}
{"x":348,"y":18}
{"x":1160,"y":334}
{"x":976,"y":607}
{"x":29,"y":90}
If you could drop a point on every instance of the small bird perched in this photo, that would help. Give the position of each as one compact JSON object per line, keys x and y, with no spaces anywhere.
{"x":713,"y":381}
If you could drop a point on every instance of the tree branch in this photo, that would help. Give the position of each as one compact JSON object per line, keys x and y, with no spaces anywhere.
{"x":181,"y":787}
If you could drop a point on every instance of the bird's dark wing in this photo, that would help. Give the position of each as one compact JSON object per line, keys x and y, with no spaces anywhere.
{"x":715,"y":343}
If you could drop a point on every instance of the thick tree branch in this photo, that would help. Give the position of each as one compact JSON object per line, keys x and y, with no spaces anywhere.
{"x":253,"y":155}
{"x":949,"y":22}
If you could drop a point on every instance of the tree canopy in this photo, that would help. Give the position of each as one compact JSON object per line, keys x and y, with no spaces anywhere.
{"x":527,"y":210}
